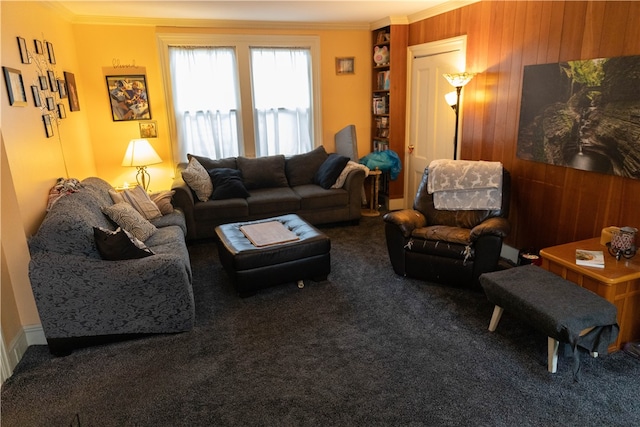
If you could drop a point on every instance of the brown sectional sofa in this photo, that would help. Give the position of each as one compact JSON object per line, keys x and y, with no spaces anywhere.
{"x":276,"y":186}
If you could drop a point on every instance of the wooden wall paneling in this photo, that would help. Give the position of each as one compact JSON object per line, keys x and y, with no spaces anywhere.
{"x":612,"y":37}
{"x":631,"y":43}
{"x":592,"y":35}
{"x":572,"y":30}
{"x":397,"y":102}
{"x":550,"y":204}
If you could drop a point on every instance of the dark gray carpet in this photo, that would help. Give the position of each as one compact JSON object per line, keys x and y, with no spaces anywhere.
{"x":366,"y":347}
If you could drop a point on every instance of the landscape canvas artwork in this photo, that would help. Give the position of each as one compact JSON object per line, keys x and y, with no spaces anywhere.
{"x":583,"y":114}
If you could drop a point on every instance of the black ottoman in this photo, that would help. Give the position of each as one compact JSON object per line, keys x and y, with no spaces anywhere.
{"x":562,"y":310}
{"x":252,"y":268}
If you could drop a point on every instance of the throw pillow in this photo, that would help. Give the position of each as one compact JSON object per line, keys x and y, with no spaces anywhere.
{"x":197,"y":178}
{"x":301,"y":168}
{"x":130,"y":219}
{"x":162,"y":199}
{"x":330,"y":170}
{"x":117,"y":245}
{"x":263,"y":172}
{"x":227,"y":184}
{"x":139,"y":199}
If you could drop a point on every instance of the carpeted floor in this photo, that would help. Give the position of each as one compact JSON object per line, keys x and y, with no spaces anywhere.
{"x":365,"y":348}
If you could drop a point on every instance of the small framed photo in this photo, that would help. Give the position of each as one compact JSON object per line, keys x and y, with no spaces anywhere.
{"x":62,"y":88}
{"x":38,"y":45}
{"x":51,"y":104}
{"x":345,"y":66}
{"x":15,"y":87}
{"x":24,"y":54}
{"x":48,"y":126}
{"x":43,"y":82}
{"x":36,"y":96}
{"x":62,"y":112}
{"x":53,"y":82}
{"x":148,"y":129}
{"x":50,"y":53}
{"x":72,"y":91}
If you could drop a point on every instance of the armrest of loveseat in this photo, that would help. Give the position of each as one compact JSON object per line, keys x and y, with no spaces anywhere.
{"x":183,"y":198}
{"x":406,"y":220}
{"x":79,"y":296}
{"x":353,"y":185}
{"x":496,"y":226}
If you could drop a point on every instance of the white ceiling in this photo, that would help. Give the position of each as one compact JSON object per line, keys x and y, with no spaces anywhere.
{"x":318,"y":11}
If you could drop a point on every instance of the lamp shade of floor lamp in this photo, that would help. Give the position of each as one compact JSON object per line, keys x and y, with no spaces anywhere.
{"x":141,"y":154}
{"x":457,"y":80}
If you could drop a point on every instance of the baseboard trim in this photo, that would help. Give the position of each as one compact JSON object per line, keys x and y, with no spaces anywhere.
{"x":11,"y":356}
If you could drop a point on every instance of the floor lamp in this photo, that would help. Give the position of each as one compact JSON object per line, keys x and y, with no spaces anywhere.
{"x":457,"y":80}
{"x":141,"y":154}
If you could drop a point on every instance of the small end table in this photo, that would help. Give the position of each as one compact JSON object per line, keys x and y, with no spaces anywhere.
{"x":375,"y":188}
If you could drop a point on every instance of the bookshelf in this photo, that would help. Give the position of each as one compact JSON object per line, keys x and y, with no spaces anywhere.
{"x":388,"y":95}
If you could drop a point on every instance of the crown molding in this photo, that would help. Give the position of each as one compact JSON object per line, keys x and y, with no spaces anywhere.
{"x":440,"y":9}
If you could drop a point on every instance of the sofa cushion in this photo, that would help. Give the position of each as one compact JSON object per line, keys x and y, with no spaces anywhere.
{"x":314,"y":197}
{"x":215,"y":210}
{"x":207,"y":163}
{"x":330,"y":170}
{"x":301,"y":168}
{"x":117,"y":245}
{"x":197,"y":178}
{"x":227,"y":184}
{"x":273,"y":200}
{"x":263,"y":172}
{"x":130,"y":219}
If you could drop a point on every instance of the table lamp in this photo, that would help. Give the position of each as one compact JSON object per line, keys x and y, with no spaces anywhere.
{"x":141,"y":154}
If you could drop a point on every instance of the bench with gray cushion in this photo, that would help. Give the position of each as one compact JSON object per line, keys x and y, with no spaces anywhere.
{"x":560,"y":309}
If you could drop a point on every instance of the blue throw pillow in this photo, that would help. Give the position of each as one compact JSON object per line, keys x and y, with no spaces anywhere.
{"x":227,"y":184}
{"x":330,"y":170}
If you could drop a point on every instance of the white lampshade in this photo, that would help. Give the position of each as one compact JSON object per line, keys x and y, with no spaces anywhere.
{"x":140,"y":153}
{"x":459,"y":79}
{"x":451,"y":98}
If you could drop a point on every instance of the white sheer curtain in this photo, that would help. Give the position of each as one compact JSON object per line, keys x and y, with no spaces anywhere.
{"x":282,"y":100}
{"x":205,"y":98}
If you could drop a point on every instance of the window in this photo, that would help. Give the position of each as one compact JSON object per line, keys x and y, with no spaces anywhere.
{"x":239,"y":95}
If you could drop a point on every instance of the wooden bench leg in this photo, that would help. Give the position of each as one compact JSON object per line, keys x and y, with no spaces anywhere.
{"x":552,"y":353}
{"x":495,"y":318}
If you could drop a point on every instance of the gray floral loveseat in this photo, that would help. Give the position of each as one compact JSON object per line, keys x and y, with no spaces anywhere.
{"x":83,"y":298}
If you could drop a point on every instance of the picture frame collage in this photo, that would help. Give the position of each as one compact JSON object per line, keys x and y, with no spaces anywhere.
{"x":48,"y":90}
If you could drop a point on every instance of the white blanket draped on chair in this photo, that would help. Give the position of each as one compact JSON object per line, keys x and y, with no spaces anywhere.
{"x":465,"y":184}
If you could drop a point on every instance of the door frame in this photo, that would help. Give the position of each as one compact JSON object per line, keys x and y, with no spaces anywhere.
{"x":421,"y":50}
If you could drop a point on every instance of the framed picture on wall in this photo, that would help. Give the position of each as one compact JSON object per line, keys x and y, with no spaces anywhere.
{"x":24,"y":54}
{"x":15,"y":87}
{"x":50,"y":53}
{"x":62,"y":88}
{"x":36,"y":96}
{"x":62,"y":113}
{"x":48,"y":125}
{"x":128,"y":97}
{"x":72,"y":91}
{"x":38,"y":46}
{"x":148,"y":129}
{"x":53,"y":82}
{"x":51,"y":104}
{"x":43,"y":82}
{"x":345,"y":66}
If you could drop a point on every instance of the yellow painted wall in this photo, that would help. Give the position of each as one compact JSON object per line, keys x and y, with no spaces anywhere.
{"x":32,"y":162}
{"x":107,"y":49}
{"x":89,"y":143}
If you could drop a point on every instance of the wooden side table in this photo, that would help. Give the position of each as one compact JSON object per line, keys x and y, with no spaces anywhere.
{"x":375,"y":188}
{"x":618,"y":282}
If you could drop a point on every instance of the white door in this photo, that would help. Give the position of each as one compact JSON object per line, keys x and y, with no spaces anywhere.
{"x":431,"y":120}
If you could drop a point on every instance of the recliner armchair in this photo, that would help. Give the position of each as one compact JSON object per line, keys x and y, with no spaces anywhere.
{"x":448,"y":247}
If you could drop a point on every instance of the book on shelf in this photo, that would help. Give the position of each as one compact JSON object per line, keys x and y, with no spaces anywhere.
{"x":379,"y":105}
{"x":383,"y":82}
{"x":590,"y":258}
